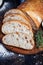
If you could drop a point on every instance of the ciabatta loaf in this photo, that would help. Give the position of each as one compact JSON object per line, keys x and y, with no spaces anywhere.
{"x":20,"y":40}
{"x":16,"y":17}
{"x":16,"y":26}
{"x":34,"y":8}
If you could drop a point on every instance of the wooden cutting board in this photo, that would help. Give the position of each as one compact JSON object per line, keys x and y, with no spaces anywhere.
{"x":18,"y":50}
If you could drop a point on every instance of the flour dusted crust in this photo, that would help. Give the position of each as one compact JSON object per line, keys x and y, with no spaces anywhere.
{"x":20,"y":40}
{"x":16,"y":26}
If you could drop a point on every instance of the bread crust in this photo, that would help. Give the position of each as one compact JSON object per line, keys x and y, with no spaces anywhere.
{"x":27,"y":25}
{"x":34,"y":9}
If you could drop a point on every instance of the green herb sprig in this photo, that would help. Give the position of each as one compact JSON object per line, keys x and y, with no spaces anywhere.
{"x":39,"y":38}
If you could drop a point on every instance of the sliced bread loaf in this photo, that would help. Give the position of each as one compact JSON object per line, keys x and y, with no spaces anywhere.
{"x":23,"y":16}
{"x":16,"y":26}
{"x":20,"y":40}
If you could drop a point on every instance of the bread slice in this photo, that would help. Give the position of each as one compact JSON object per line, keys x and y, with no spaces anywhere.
{"x":15,"y":17}
{"x":20,"y":40}
{"x":14,"y":11}
{"x":16,"y":26}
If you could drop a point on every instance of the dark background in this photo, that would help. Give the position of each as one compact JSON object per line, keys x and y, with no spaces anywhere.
{"x":9,"y":4}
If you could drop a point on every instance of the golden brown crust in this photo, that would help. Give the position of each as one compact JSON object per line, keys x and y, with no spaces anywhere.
{"x":35,"y":6}
{"x":33,"y":25}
